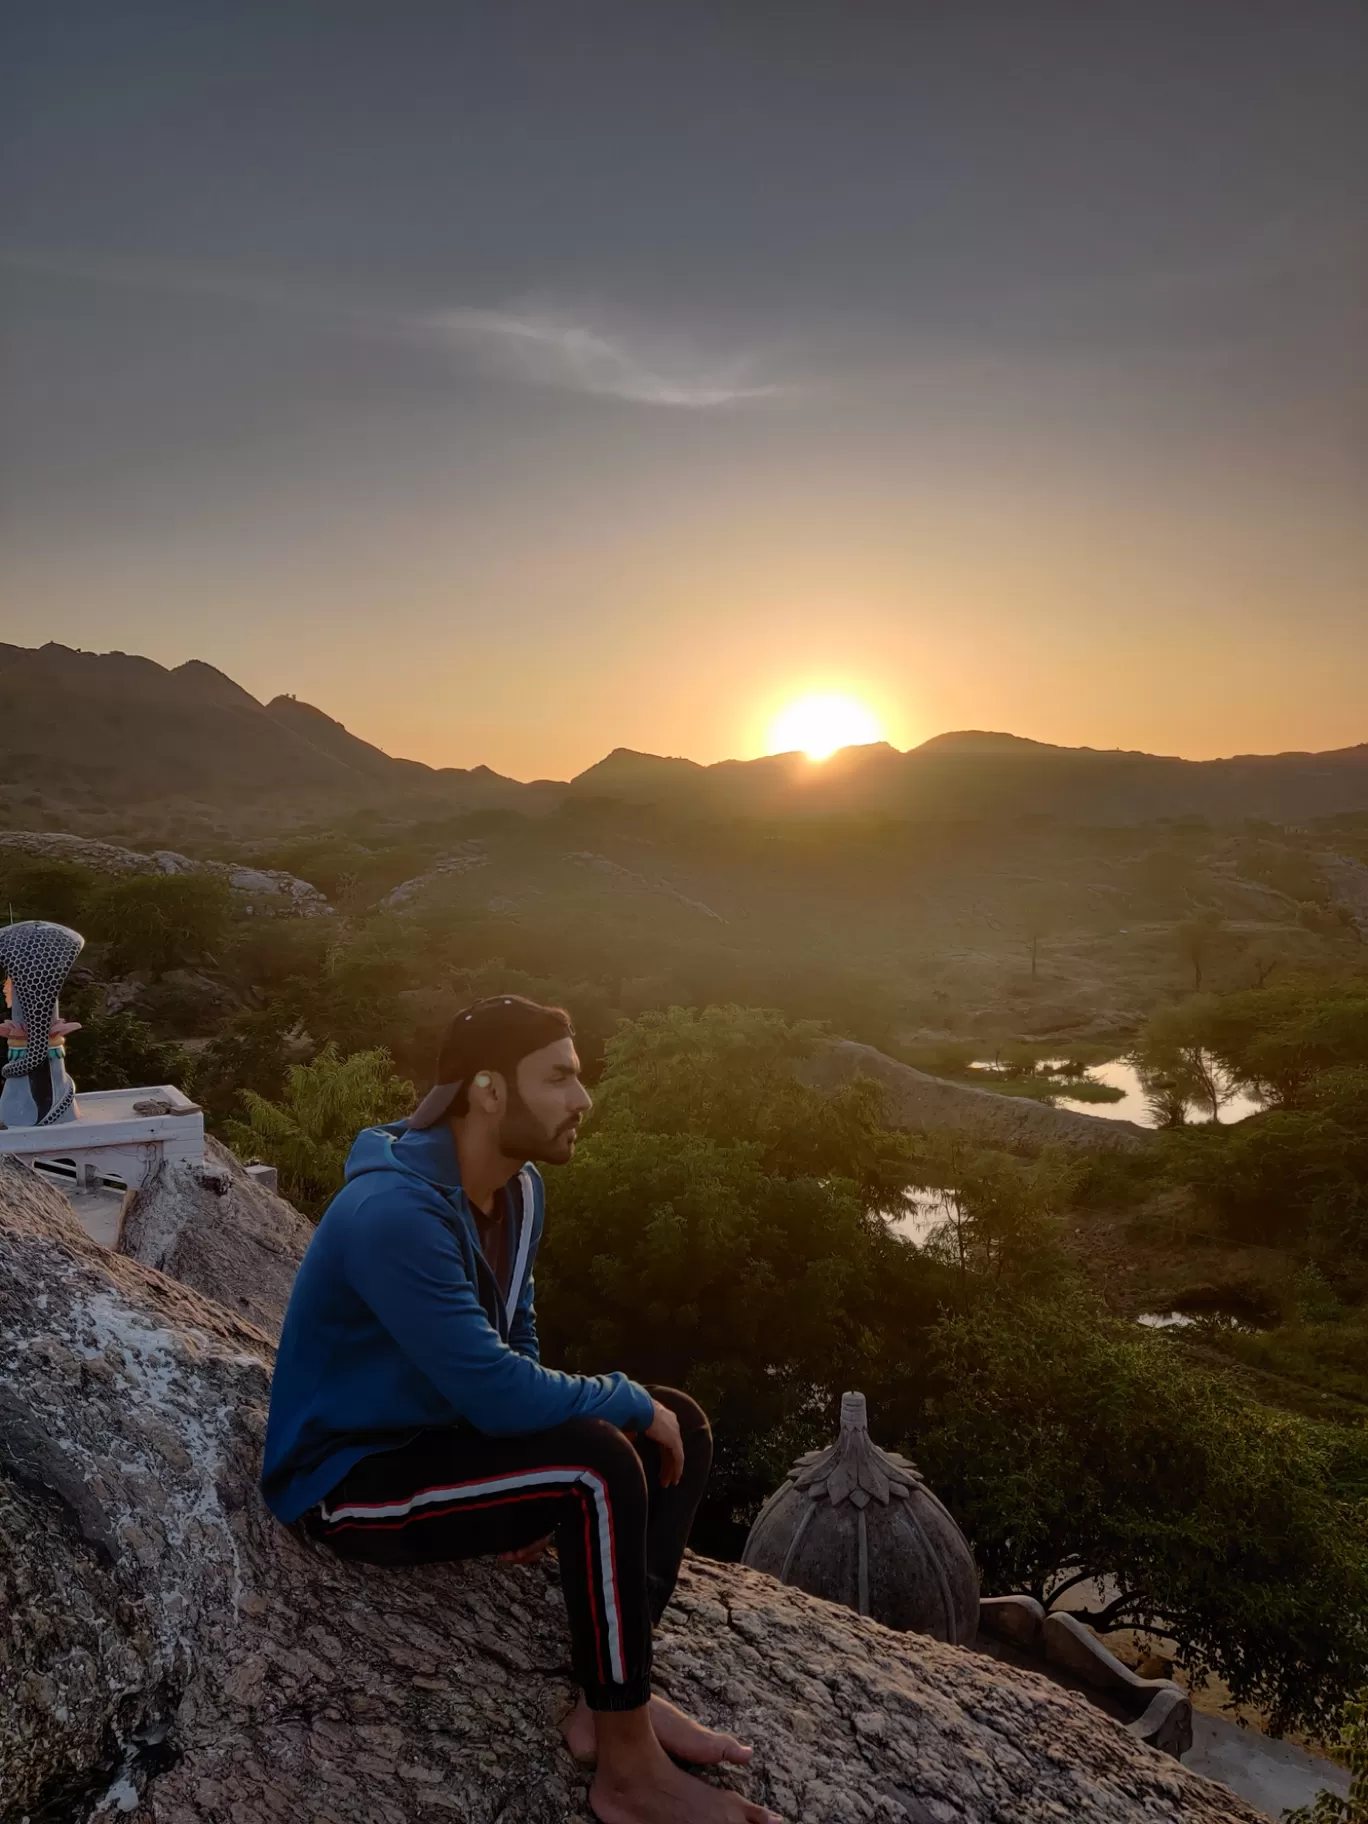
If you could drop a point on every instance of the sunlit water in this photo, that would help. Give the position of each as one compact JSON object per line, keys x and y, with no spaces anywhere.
{"x":1119,"y":1073}
{"x":922,"y":1213}
{"x":1209,"y":1318}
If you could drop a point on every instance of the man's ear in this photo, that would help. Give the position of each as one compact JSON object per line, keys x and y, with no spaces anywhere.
{"x":487,"y":1091}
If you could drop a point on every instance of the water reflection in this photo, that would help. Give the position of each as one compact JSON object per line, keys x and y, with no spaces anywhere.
{"x":1211,"y":1317}
{"x":922,"y":1212}
{"x":1120,"y":1073}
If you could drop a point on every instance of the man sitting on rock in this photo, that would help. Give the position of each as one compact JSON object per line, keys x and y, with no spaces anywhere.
{"x":412,"y":1421}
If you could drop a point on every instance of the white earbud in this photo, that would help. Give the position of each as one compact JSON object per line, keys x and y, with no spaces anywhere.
{"x":483,"y":1080}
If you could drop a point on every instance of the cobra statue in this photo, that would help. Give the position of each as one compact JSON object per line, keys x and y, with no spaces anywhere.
{"x":35,"y":1090}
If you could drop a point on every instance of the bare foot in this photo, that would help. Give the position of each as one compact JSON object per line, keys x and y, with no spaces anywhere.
{"x":677,"y":1733}
{"x":665,"y":1794}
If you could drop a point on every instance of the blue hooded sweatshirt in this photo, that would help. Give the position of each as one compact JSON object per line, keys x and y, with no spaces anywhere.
{"x":396,"y":1323}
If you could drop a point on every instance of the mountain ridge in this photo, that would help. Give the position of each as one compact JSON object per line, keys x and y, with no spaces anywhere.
{"x":114,"y":742}
{"x":106,"y":742}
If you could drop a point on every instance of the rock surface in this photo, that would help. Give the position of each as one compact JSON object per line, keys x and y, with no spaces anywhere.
{"x":254,"y":890}
{"x":920,"y":1101}
{"x":218,"y":1231}
{"x":172,"y":1655}
{"x":460,"y":860}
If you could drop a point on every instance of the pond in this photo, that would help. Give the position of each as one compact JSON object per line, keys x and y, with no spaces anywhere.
{"x":1120,"y":1073}
{"x":921,"y":1214}
{"x":1205,"y":1317}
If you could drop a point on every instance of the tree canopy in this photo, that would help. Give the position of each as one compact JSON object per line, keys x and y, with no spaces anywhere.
{"x":309,"y":1132}
{"x":1073,"y":1447}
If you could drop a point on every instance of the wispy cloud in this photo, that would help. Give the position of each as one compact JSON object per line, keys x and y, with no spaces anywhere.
{"x":532,"y":345}
{"x":552,"y":350}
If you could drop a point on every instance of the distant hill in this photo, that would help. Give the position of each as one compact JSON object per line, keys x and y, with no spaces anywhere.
{"x":109,"y":744}
{"x":108,"y":741}
{"x":979,"y":775}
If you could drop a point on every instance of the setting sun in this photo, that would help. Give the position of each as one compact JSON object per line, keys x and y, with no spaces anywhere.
{"x":822,"y":723}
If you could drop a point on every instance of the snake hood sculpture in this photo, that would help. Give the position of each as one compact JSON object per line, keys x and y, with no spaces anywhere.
{"x":35,"y":1090}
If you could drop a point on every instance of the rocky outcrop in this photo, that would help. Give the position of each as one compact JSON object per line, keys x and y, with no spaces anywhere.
{"x":255,"y":890}
{"x":174,"y":1656}
{"x":457,"y":861}
{"x":1347,"y":878}
{"x":215,"y":1229}
{"x":927,"y":1104}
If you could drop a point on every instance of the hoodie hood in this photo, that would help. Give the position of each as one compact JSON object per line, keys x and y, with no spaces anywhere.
{"x":429,"y":1153}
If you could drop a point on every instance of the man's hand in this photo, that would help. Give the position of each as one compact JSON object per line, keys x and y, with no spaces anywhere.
{"x":664,"y":1428}
{"x":526,"y":1554}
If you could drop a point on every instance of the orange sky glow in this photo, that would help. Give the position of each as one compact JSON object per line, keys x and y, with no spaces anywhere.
{"x":510,"y":407}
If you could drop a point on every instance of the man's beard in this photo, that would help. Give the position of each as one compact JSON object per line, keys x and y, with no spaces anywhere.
{"x":523,"y":1136}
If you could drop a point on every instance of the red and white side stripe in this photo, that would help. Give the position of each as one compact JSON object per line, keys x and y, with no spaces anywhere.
{"x":513,"y":1486}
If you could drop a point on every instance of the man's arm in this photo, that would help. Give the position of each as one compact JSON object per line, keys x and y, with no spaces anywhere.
{"x":522,"y":1332}
{"x":405,"y":1264}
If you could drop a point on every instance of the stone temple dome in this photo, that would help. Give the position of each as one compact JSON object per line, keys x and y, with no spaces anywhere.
{"x":858,"y":1525}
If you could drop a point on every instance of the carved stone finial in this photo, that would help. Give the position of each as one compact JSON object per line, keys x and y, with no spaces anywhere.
{"x":859,"y":1526}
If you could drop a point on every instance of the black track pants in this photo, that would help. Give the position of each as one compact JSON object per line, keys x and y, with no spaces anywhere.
{"x":620,"y":1535}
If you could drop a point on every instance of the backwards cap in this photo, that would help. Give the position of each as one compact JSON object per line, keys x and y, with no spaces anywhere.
{"x":493,"y":1034}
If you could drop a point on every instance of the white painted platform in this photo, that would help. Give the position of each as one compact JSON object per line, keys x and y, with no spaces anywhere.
{"x":108,"y":1145}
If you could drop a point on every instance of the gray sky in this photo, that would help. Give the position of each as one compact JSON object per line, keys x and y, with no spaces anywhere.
{"x":519,"y":380}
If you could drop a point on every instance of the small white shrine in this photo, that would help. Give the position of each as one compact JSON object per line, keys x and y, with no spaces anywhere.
{"x":116,"y":1140}
{"x":106,"y":1142}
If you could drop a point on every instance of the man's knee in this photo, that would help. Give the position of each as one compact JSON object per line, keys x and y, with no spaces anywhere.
{"x":600,"y":1447}
{"x":686,"y":1409}
{"x":694,"y":1428}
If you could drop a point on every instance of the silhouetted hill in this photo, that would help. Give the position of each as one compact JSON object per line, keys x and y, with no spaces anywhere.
{"x":984,"y":741}
{"x":625,"y":772}
{"x":330,"y":737}
{"x":113,"y":744}
{"x":108,"y":741}
{"x":974,"y":775}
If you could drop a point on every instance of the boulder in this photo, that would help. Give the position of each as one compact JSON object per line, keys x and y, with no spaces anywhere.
{"x":254,"y":890}
{"x":219,"y":1230}
{"x":173,"y":1655}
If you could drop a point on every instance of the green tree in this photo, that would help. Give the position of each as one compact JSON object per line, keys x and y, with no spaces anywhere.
{"x":1179,"y":1066}
{"x":1291,"y":1173}
{"x":1196,"y":940}
{"x":1352,"y":1741}
{"x":719,"y":1229}
{"x":1003,"y":1217}
{"x":35,"y":887}
{"x":1264,"y":957}
{"x":727,"y":1073}
{"x":160,"y":921}
{"x":1073,"y":1448}
{"x":309,"y":1132}
{"x":1277,"y":1040}
{"x":119,"y":1051}
{"x":252,"y":1053}
{"x":1041,"y":911}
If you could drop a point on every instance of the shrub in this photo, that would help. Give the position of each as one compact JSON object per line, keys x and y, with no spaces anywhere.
{"x":159,"y":921}
{"x":309,"y":1132}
